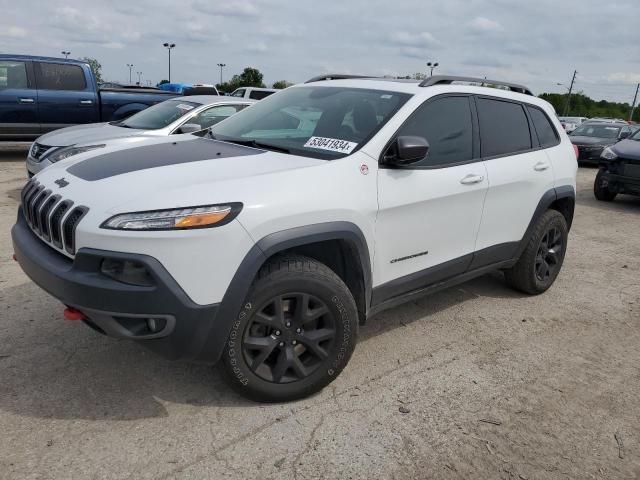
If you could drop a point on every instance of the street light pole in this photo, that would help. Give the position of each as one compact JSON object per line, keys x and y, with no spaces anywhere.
{"x":139,"y":77}
{"x":566,"y":106}
{"x":221,"y":65}
{"x":130,"y":65}
{"x":66,"y":54}
{"x":633,"y":105}
{"x":169,"y":46}
{"x":432,"y":66}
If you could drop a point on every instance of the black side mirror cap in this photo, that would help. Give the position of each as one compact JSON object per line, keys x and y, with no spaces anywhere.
{"x":406,"y":150}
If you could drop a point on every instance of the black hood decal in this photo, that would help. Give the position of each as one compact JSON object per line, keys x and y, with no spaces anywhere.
{"x":154,"y":156}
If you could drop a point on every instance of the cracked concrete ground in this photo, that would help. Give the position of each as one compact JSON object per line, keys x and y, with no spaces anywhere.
{"x":494,"y":384}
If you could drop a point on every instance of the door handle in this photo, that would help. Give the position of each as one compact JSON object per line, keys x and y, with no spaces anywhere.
{"x":471,"y":179}
{"x":26,"y":100}
{"x":86,"y":102}
{"x":541,"y":166}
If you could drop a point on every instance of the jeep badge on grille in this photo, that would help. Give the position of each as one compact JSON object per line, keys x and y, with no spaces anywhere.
{"x":61,"y":182}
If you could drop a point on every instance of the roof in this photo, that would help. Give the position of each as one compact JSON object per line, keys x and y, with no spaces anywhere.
{"x":438,"y":84}
{"x":211,"y":99}
{"x":8,"y":56}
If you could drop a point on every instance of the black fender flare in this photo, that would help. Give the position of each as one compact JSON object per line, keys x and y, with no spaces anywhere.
{"x":276,"y":242}
{"x":550,"y":196}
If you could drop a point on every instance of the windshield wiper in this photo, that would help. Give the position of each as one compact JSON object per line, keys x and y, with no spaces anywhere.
{"x":254,"y":144}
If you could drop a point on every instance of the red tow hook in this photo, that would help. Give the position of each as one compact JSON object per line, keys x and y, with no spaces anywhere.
{"x":73,"y":314}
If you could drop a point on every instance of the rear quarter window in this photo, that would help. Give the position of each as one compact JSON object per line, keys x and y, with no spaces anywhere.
{"x":504,"y":128}
{"x":259,"y":94}
{"x":547,"y":135}
{"x":58,"y":76}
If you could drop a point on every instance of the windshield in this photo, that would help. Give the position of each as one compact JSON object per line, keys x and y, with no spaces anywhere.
{"x":318,"y":122}
{"x":159,"y":115}
{"x":636,"y":136}
{"x":598,"y":131}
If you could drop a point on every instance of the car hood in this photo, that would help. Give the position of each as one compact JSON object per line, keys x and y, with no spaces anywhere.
{"x":628,"y":149}
{"x":86,"y":134}
{"x":581,"y":140}
{"x":192,"y":168}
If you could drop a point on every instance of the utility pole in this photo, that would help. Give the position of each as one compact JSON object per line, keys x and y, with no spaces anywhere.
{"x":633,"y":105}
{"x":130,"y":65}
{"x":221,"y":65}
{"x":566,"y":106}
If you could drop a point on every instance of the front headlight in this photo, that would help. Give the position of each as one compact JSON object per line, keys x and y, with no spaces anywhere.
{"x":175,"y":219}
{"x":608,"y":154}
{"x":70,"y":152}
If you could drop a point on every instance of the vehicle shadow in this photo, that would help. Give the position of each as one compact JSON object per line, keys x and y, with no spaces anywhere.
{"x":52,"y":368}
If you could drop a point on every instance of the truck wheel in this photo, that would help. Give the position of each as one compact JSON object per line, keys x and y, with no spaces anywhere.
{"x":295,"y":333}
{"x":601,"y":188}
{"x":541,"y":261}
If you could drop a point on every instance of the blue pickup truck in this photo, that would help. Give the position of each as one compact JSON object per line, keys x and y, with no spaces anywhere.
{"x":39,"y":94}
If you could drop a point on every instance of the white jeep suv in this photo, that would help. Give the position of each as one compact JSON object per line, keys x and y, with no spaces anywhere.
{"x":266,"y":244}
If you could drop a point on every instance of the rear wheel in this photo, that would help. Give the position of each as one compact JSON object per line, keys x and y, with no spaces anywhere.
{"x":601,"y":188}
{"x":541,"y":261}
{"x":295,"y":334}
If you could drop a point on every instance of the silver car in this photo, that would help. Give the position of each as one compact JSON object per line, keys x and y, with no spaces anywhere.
{"x":178,"y":115}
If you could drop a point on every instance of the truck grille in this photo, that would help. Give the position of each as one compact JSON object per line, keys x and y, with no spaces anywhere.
{"x":51,"y":217}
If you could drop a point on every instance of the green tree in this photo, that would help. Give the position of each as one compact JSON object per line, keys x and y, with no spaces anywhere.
{"x":583,"y":106}
{"x":280,"y":84}
{"x":95,"y":67}
{"x":250,"y":77}
{"x":162,"y":82}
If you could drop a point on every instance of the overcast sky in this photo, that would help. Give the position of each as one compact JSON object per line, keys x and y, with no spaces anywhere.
{"x":535,"y":42}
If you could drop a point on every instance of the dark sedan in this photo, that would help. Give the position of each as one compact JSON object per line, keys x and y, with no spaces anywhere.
{"x":592,"y":138}
{"x":619,"y":169}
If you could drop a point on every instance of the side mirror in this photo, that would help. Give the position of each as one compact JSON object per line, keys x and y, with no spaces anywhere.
{"x":624,"y":135}
{"x":190,"y":128}
{"x":406,"y":150}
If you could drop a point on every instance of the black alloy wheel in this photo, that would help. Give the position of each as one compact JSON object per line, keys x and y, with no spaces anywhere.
{"x":289,"y":337}
{"x":548,"y":258}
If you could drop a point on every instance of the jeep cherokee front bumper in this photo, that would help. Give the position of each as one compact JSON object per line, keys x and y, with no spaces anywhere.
{"x":158,"y":315}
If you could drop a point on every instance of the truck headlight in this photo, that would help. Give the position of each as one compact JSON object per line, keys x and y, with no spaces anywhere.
{"x":70,"y":152}
{"x":175,"y":219}
{"x":608,"y":154}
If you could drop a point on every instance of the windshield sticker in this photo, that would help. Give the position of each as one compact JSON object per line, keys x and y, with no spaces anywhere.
{"x":331,"y":144}
{"x":182,"y":106}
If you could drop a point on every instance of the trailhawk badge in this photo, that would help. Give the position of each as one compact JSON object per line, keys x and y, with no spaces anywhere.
{"x":61,"y":182}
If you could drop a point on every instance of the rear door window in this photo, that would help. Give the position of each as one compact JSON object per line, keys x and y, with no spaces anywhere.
{"x":547,"y":135}
{"x":60,"y":76}
{"x":504,"y":128}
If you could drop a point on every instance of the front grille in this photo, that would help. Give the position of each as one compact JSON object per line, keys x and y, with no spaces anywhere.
{"x":38,"y":150}
{"x":51,"y":217}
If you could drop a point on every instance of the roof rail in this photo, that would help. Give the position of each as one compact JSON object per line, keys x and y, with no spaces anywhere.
{"x":336,"y":76}
{"x":449,"y":79}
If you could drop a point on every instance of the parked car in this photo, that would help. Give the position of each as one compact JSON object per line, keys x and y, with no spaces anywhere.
{"x":178,"y":115}
{"x":619,"y":170}
{"x":253,"y":93}
{"x":266,"y":243}
{"x":571,"y":123}
{"x":607,"y":120}
{"x":591,"y":138}
{"x":40,"y":94}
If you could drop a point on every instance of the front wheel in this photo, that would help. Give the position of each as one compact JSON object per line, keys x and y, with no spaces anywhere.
{"x":295,"y":333}
{"x":601,"y":188}
{"x":541,"y":261}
